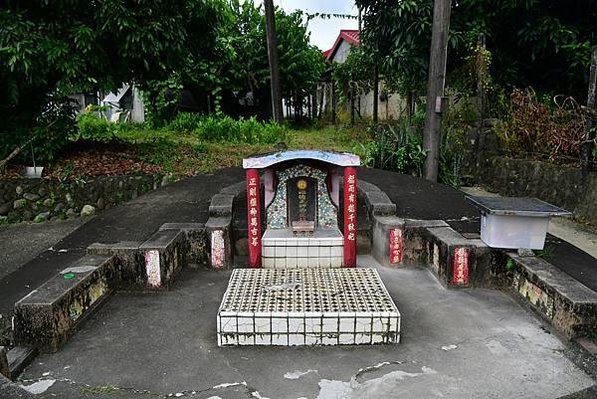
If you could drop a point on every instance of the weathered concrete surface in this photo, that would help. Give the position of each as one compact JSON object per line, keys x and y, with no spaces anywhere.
{"x":382,"y":225}
{"x":129,"y":263}
{"x":182,"y":202}
{"x":19,"y":243}
{"x":220,"y":225}
{"x":47,"y":316}
{"x":10,"y":390}
{"x":172,"y":248}
{"x":4,"y":370}
{"x":570,"y":306}
{"x":221,"y":205}
{"x":455,"y":344}
{"x":197,"y":238}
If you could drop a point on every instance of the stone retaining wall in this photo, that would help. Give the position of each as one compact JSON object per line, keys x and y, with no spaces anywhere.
{"x":47,"y":199}
{"x":555,"y":184}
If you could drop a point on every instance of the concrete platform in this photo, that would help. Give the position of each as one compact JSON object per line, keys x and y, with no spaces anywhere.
{"x":454,"y":344}
{"x":290,"y":307}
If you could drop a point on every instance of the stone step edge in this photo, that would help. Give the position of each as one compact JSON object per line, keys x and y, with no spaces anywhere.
{"x":35,"y":322}
{"x":568,"y":305}
{"x":18,"y":358}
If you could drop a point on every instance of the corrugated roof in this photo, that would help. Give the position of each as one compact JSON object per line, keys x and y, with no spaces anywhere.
{"x":351,"y":36}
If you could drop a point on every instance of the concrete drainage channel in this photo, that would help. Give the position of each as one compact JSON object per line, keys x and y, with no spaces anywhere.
{"x":47,"y":317}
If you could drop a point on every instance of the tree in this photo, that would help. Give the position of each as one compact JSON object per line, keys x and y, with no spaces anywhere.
{"x":542,"y":43}
{"x":301,"y":64}
{"x":51,"y":49}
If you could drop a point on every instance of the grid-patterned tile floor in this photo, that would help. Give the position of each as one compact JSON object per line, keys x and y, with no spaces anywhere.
{"x":307,"y":307}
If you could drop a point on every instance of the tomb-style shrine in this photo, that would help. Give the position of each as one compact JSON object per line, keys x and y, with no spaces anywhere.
{"x":303,"y":287}
{"x":301,"y":203}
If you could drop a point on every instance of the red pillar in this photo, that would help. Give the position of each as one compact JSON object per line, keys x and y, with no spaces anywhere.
{"x":254,"y":217}
{"x":350,"y":216}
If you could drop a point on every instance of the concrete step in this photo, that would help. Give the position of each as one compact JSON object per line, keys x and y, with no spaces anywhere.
{"x":48,"y":315}
{"x":20,"y":357}
{"x":567,"y":304}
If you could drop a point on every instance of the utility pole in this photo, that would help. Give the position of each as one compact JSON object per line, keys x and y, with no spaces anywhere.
{"x":480,"y":139}
{"x":274,"y":67}
{"x":375,"y":93}
{"x":435,"y":86}
{"x":589,"y":142}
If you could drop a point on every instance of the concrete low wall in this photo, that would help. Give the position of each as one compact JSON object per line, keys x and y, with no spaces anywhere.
{"x":46,"y":199}
{"x":556,"y":184}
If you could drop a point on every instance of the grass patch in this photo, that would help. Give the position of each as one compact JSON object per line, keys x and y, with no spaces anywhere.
{"x":186,"y":153}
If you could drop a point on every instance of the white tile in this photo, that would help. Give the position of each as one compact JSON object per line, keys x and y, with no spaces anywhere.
{"x":313,"y":252}
{"x":329,"y":339}
{"x":313,"y":262}
{"x":280,"y":262}
{"x":267,"y":262}
{"x":336,"y":262}
{"x":296,"y":339}
{"x":280,"y":252}
{"x":325,"y":262}
{"x":313,"y":325}
{"x":336,"y":251}
{"x":263,"y":325}
{"x":346,"y":339}
{"x":312,"y":339}
{"x":229,"y":339}
{"x":279,"y":339}
{"x":291,"y":252}
{"x":325,"y":252}
{"x":380,"y":323}
{"x":347,"y":322}
{"x":291,"y":263}
{"x":330,"y":323}
{"x":227,"y":324}
{"x":363,"y":323}
{"x":245,"y":324}
{"x":279,"y":325}
{"x":263,"y":339}
{"x":361,"y":338}
{"x":378,"y":339}
{"x":296,"y":325}
{"x":302,"y":252}
{"x":246,"y":339}
{"x":302,"y":262}
{"x":268,"y":252}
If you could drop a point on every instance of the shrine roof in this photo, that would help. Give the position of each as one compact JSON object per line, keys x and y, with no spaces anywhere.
{"x":335,"y":158}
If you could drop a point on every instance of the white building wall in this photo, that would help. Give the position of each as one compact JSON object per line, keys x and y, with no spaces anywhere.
{"x":342,"y":52}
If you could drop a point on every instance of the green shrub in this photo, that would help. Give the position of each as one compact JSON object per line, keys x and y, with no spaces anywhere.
{"x":225,"y":128}
{"x":94,"y":128}
{"x":185,"y":122}
{"x":397,"y":147}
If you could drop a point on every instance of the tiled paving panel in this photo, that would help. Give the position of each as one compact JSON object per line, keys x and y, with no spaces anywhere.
{"x":283,"y":249}
{"x":307,"y":307}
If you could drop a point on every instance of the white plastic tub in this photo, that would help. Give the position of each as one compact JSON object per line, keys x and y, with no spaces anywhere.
{"x":514,"y":232}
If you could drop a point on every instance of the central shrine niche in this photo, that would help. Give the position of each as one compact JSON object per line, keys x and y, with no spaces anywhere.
{"x":302,"y":203}
{"x":317,"y":204}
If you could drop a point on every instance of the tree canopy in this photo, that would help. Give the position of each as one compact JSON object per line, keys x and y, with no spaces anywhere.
{"x":49,"y":50}
{"x":541,"y":43}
